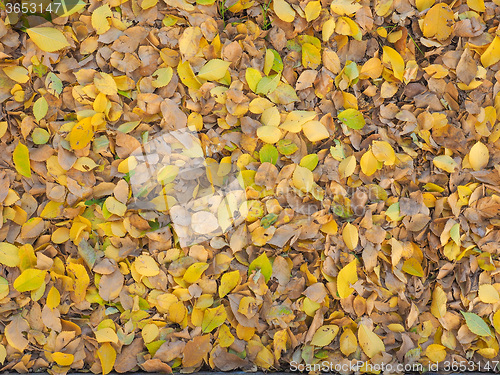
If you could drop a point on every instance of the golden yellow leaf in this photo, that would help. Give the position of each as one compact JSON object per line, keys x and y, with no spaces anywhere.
{"x":350,"y":236}
{"x":99,"y":19}
{"x":392,"y":57}
{"x":348,"y":342}
{"x":48,"y":39}
{"x":346,"y":277}
{"x":438,"y":304}
{"x":63,"y":359}
{"x":9,"y":254}
{"x":477,"y":5}
{"x":17,"y":73}
{"x":369,"y":341}
{"x":368,"y":163}
{"x":312,"y":10}
{"x":303,"y":179}
{"x":214,"y":70}
{"x":315,"y":131}
{"x":492,"y":54}
{"x":283,"y":10}
{"x":479,"y":156}
{"x":347,"y":166}
{"x":107,"y":356}
{"x":145,"y":265}
{"x":384,"y":152}
{"x":269,"y":134}
{"x":445,"y":163}
{"x":488,"y":293}
{"x":324,"y":335}
{"x":436,"y":352}
{"x":438,"y":22}
{"x":53,"y":298}
{"x":228,"y":282}
{"x":81,"y":134}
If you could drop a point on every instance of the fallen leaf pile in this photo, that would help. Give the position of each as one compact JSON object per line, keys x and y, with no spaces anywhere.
{"x":245,"y":184}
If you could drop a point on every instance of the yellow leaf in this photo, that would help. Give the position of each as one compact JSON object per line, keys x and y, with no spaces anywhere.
{"x":438,"y":22}
{"x":53,"y":298}
{"x":146,"y":4}
{"x":391,"y":56}
{"x":295,"y":120}
{"x":105,"y":83}
{"x":311,"y":56}
{"x":328,"y":29}
{"x":492,"y":54}
{"x":369,"y":341}
{"x":479,"y":156}
{"x":107,"y":356}
{"x":424,"y":4}
{"x":315,"y":131}
{"x":283,"y":10}
{"x":51,"y":210}
{"x":214,"y":70}
{"x":60,"y":235}
{"x":436,"y":352}
{"x":384,"y":152}
{"x":312,"y":11}
{"x":438,"y":304}
{"x":63,"y":359}
{"x":347,"y":166}
{"x":371,"y":69}
{"x":346,"y":26}
{"x":17,"y":73}
{"x":496,"y":321}
{"x":345,"y":7}
{"x":9,"y":254}
{"x":226,"y":338}
{"x":81,"y":134}
{"x":150,"y":332}
{"x":176,"y":312}
{"x":413,"y":267}
{"x":82,"y":280}
{"x":368,"y":163}
{"x":114,"y":206}
{"x":187,"y":76}
{"x":488,"y":293}
{"x":48,"y":39}
{"x":213,"y":318}
{"x":99,"y":19}
{"x":324,"y":335}
{"x":252,"y":77}
{"x":163,"y":76}
{"x":228,"y":282}
{"x":145,"y":265}
{"x":269,"y":134}
{"x":348,"y":342}
{"x":445,"y":163}
{"x":350,"y":236}
{"x":21,"y":157}
{"x":194,"y":272}
{"x":3,"y":354}
{"x":346,"y":277}
{"x":477,"y":5}
{"x":303,"y":179}
{"x":30,"y":279}
{"x":106,"y":334}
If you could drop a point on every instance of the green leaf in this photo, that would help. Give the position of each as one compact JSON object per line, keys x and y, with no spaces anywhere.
{"x":309,"y":161}
{"x":53,"y":83}
{"x":352,"y":118}
{"x":262,"y":262}
{"x":268,"y":153}
{"x":40,"y":136}
{"x":40,"y":108}
{"x":30,"y":279}
{"x":21,"y":157}
{"x":268,"y":84}
{"x":286,"y":147}
{"x":476,"y":324}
